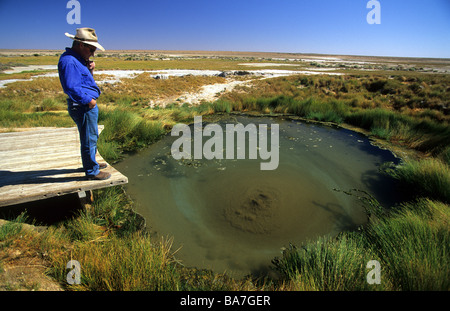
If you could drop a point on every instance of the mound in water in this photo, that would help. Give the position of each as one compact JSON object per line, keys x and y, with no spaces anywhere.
{"x":255,"y":211}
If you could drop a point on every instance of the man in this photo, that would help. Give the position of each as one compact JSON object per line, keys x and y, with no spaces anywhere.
{"x":76,"y":76}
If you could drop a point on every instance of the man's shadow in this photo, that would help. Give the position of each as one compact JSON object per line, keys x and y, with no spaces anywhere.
{"x":9,"y":178}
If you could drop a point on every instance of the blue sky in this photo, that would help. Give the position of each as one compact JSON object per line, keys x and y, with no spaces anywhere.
{"x":411,"y":28}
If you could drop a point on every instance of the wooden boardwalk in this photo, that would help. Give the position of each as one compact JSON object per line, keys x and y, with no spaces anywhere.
{"x":45,"y":163}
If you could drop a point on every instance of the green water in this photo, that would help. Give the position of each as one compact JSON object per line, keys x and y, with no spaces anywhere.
{"x":228,"y":215}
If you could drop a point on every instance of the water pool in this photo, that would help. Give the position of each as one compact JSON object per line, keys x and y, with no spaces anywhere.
{"x":229,"y":215}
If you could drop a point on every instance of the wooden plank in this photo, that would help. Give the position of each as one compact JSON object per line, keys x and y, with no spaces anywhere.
{"x":19,"y":145}
{"x":60,"y":161}
{"x":45,"y":132}
{"x":44,"y":163}
{"x":38,"y":132}
{"x":67,"y":184}
{"x":38,"y":156}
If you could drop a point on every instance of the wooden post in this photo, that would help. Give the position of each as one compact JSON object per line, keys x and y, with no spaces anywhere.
{"x":86,"y":198}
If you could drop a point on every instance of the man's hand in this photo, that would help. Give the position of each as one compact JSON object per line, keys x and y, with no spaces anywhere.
{"x":92,"y":103}
{"x":91,"y":66}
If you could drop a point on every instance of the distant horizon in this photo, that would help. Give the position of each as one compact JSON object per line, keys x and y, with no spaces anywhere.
{"x":224,"y":51}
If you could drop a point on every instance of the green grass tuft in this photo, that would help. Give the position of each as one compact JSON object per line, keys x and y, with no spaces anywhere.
{"x":329,"y":264}
{"x":126,"y":131}
{"x":428,"y":177}
{"x":412,"y":244}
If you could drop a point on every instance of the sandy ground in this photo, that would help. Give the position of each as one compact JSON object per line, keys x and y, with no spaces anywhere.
{"x":210,"y":93}
{"x":20,"y":69}
{"x":207,"y":93}
{"x":30,"y":68}
{"x":266,"y":64}
{"x":24,"y":269}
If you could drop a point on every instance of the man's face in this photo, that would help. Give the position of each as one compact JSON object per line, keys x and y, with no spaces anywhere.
{"x":87,"y":50}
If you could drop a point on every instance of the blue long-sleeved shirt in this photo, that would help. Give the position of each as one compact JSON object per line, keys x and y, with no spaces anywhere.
{"x":76,"y":79}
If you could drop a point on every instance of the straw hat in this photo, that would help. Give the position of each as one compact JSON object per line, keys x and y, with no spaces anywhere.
{"x":87,"y":36}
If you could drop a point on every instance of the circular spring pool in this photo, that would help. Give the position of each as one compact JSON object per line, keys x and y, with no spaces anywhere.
{"x":229,"y":215}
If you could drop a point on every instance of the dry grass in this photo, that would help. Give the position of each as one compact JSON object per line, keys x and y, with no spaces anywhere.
{"x":145,"y":88}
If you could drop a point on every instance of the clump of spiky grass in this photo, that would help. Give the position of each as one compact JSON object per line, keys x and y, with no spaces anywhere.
{"x":111,"y":210}
{"x":126,"y":131}
{"x":329,"y":264}
{"x":22,"y":113}
{"x":109,"y":261}
{"x":412,"y":244}
{"x":122,"y":264}
{"x":113,"y":252}
{"x":222,"y":106}
{"x":428,"y":177}
{"x":420,"y":134}
{"x":12,"y":228}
